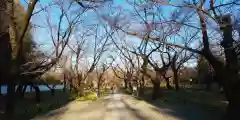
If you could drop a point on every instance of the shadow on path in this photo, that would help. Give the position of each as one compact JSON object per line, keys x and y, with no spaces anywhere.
{"x":136,"y":112}
{"x":172,"y":104}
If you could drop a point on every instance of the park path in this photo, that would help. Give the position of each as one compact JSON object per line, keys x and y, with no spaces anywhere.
{"x":113,"y":107}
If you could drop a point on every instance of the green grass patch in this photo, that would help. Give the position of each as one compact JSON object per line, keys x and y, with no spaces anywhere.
{"x":28,"y":108}
{"x":88,"y":96}
{"x":209,"y":101}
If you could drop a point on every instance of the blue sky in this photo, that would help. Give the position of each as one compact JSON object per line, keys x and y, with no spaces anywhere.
{"x":42,"y":35}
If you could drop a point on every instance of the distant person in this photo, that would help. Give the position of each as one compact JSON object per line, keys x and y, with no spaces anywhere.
{"x":112,"y":89}
{"x":135,"y":90}
{"x":191,"y":81}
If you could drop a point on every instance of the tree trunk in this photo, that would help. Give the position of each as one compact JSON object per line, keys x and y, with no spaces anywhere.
{"x":156,"y":90}
{"x":19,"y":90}
{"x":14,"y":69}
{"x":232,"y":92}
{"x":141,"y":91}
{"x":175,"y":73}
{"x":227,"y":73}
{"x":176,"y":82}
{"x":5,"y":63}
{"x":64,"y":83}
{"x":70,"y":86}
{"x":98,"y":91}
{"x":0,"y":90}
{"x":53,"y":90}
{"x":99,"y":87}
{"x":130,"y":86}
{"x":230,"y":79}
{"x":167,"y":82}
{"x":156,"y":86}
{"x":208,"y":82}
{"x":31,"y":88}
{"x":37,"y":90}
{"x":10,"y":100}
{"x":142,"y":85}
{"x":233,"y":109}
{"x":125,"y":84}
{"x":80,"y":91}
{"x":23,"y":91}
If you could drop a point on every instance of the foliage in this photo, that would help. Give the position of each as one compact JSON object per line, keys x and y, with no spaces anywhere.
{"x":88,"y":96}
{"x":28,"y":42}
{"x":50,"y":77}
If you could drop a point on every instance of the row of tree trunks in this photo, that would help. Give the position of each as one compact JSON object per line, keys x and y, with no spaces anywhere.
{"x":21,"y":89}
{"x":52,"y":89}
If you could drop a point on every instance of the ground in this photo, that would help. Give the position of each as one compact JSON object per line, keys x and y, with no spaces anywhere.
{"x":28,"y":108}
{"x":123,"y":107}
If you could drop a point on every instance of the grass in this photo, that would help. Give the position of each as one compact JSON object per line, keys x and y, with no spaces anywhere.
{"x":91,"y":95}
{"x":187,"y":104}
{"x":206,"y":100}
{"x":27,"y":108}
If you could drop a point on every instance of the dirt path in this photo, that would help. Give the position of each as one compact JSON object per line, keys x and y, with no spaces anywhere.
{"x":112,"y":107}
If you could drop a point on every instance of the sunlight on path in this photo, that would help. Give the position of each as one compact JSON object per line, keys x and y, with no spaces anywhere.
{"x":116,"y":110}
{"x":112,"y":107}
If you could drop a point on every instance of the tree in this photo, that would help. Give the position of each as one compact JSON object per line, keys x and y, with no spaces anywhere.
{"x":159,"y":71}
{"x":101,"y":73}
{"x":28,"y":45}
{"x":226,"y":72}
{"x":12,"y":34}
{"x":100,"y":45}
{"x":178,"y":59}
{"x":33,"y":69}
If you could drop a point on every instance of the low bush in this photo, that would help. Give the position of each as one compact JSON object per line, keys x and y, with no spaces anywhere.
{"x":88,"y":96}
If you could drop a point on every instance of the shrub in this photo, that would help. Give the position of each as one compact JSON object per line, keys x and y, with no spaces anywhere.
{"x":88,"y":96}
